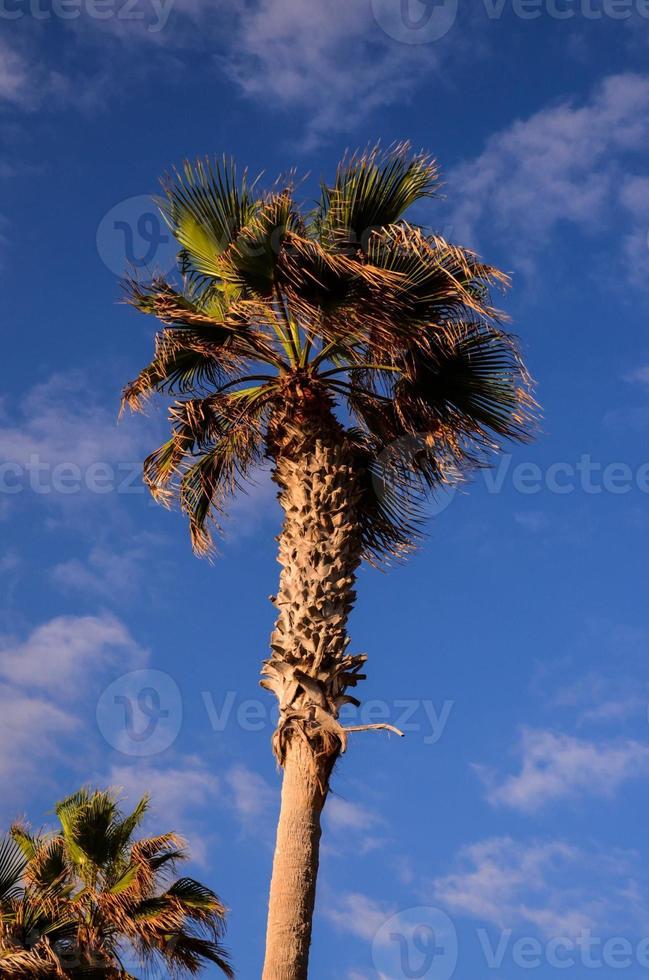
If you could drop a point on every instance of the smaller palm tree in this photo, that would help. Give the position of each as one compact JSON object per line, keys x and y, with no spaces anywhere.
{"x":77,"y":902}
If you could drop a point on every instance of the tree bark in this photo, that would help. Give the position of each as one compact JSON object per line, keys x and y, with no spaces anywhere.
{"x":309,"y":671}
{"x":295,"y":868}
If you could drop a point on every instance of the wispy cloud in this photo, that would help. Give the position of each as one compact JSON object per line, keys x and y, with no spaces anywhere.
{"x":557,"y":767}
{"x":44,"y":684}
{"x":329,"y":59}
{"x":15,"y":84}
{"x":352,"y":827}
{"x":532,"y":520}
{"x":26,"y":82}
{"x":565,"y":164}
{"x":251,"y":796}
{"x":182,"y":792}
{"x":61,"y":420}
{"x":357,"y":914}
{"x":62,"y":446}
{"x":115,"y":574}
{"x":640,"y":375}
{"x":552,"y":886}
{"x":62,"y":654}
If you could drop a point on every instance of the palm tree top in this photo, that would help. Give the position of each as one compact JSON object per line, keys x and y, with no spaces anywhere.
{"x":342,"y":322}
{"x":76,"y":900}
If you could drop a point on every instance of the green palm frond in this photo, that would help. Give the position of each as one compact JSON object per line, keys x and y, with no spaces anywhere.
{"x":195,"y":896}
{"x":372,"y":190}
{"x":250,"y":263}
{"x":223,"y":469}
{"x":47,"y":867}
{"x":72,"y":901}
{"x":191,"y":952}
{"x":12,"y":865}
{"x":206,"y":206}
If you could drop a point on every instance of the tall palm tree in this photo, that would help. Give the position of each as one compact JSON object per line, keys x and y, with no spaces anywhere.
{"x":74,"y":902}
{"x":363,"y":358}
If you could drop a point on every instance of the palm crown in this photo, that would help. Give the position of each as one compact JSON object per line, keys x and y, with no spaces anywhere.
{"x":346,"y":322}
{"x":75,"y":901}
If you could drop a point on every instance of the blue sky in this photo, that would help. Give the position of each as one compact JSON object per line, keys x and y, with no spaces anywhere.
{"x":513,"y":646}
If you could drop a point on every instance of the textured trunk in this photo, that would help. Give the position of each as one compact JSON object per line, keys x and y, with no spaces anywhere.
{"x":309,"y":670}
{"x":295,"y":867}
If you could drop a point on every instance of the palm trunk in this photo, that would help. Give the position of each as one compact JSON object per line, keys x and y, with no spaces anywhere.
{"x":295,"y":867}
{"x":309,"y":671}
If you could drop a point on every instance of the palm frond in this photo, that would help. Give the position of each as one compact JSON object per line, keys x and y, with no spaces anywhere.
{"x":372,"y":190}
{"x":468,"y":381}
{"x":12,"y":865}
{"x":206,"y":206}
{"x":250,"y":263}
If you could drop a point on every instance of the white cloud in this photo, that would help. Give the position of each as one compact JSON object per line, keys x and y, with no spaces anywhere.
{"x":61,"y":421}
{"x":343,"y":815}
{"x":110,"y":573}
{"x":32,"y":732}
{"x":9,"y":562}
{"x":357,"y":914}
{"x":552,"y":886}
{"x":614,"y":710}
{"x":181,"y":794}
{"x":531,"y":520}
{"x":251,"y":795}
{"x":62,"y":446}
{"x":26,"y":83}
{"x":566,"y":163}
{"x":639,"y":375}
{"x":330,"y":59}
{"x":14,"y":76}
{"x":60,"y":656}
{"x":351,"y":827}
{"x":601,"y":699}
{"x":557,"y":766}
{"x":44,"y":685}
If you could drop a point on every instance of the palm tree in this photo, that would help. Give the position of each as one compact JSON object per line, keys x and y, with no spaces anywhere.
{"x":363,"y":358}
{"x":74,"y":902}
